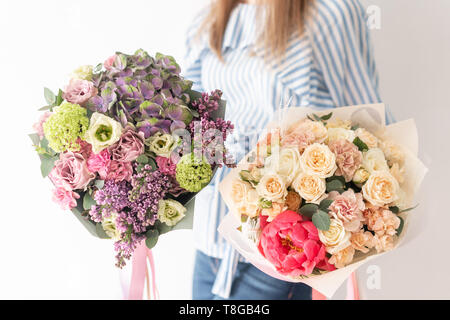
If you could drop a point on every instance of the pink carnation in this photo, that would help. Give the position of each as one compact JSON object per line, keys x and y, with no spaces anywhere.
{"x":129,"y":147}
{"x":347,"y":207}
{"x":293,"y":245}
{"x":70,"y":172}
{"x":348,"y":158}
{"x":298,"y":136}
{"x":119,"y":171}
{"x":166,"y":165}
{"x":109,"y":62}
{"x":38,"y":127}
{"x":79,"y":91}
{"x":65,"y":198}
{"x":85,"y":148}
{"x":382,"y":221}
{"x":99,"y":163}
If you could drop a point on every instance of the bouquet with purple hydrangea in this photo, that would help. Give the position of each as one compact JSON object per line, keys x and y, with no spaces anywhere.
{"x":128,"y":144}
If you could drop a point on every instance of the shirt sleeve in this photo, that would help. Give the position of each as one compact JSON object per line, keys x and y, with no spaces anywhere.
{"x":343,"y":52}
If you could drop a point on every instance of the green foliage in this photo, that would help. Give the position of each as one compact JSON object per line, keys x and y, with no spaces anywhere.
{"x":360,"y":144}
{"x":321,"y":220}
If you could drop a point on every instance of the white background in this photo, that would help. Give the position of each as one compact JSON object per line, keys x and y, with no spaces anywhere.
{"x":45,"y":253}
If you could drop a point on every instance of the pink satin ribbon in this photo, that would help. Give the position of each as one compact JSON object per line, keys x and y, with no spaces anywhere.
{"x":352,"y":290}
{"x":140,"y":274}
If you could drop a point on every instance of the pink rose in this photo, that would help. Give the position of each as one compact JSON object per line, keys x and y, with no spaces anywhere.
{"x":347,"y":207}
{"x":99,"y":163}
{"x":166,"y":165}
{"x":71,"y":172}
{"x":348,"y":158}
{"x":65,"y":198}
{"x":129,"y":147}
{"x":119,"y":171}
{"x":79,"y":91}
{"x":109,"y":62}
{"x":293,"y":245}
{"x":38,"y":127}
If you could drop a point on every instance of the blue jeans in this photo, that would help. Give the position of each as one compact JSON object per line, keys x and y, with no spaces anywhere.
{"x":249,"y":283}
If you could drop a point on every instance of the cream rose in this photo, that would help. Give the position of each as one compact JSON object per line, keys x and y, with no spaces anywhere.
{"x":309,"y":187}
{"x":239,"y":190}
{"x":339,"y":123}
{"x":287,"y":164}
{"x":340,"y":134}
{"x":103,"y":132}
{"x":361,"y":176}
{"x":381,"y":188}
{"x":393,"y":152}
{"x":317,"y":129}
{"x":272,"y":187}
{"x":335,"y":238}
{"x":374,"y":160}
{"x":367,"y":137}
{"x":318,"y":159}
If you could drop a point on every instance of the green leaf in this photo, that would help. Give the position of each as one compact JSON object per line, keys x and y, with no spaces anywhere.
{"x":47,"y":164}
{"x":265,"y":204}
{"x":59,"y":98}
{"x":35,"y":138}
{"x":355,"y":127}
{"x":400,"y":227}
{"x":45,"y":108}
{"x":321,"y":220}
{"x":360,"y":144}
{"x":99,"y":183}
{"x":49,"y":96}
{"x":244,"y":218}
{"x":324,"y":204}
{"x":98,"y":68}
{"x":152,"y":238}
{"x":394,"y":209}
{"x":326,"y":117}
{"x":88,"y":202}
{"x":335,"y":185}
{"x":316,"y":117}
{"x":309,"y":209}
{"x":143,"y":159}
{"x":101,"y":232}
{"x":409,"y":209}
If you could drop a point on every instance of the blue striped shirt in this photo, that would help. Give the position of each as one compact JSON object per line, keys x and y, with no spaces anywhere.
{"x":330,"y":65}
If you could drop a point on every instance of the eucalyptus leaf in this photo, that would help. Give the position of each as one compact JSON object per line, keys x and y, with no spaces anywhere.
{"x":321,"y":220}
{"x":59,"y":98}
{"x":335,"y":185}
{"x":394,"y":209}
{"x":47,"y":164}
{"x":309,"y":209}
{"x":49,"y":96}
{"x":99,"y":183}
{"x":45,"y":108}
{"x":327,"y":116}
{"x":324,"y":204}
{"x":143,"y":159}
{"x":400,"y":227}
{"x":152,"y":238}
{"x":35,"y":138}
{"x":88,"y":202}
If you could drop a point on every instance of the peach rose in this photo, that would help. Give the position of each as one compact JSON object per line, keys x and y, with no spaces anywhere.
{"x":342,"y":258}
{"x":239,"y":190}
{"x":384,"y":242}
{"x":368,"y":138}
{"x":274,"y":211}
{"x":309,"y":187}
{"x":393,"y":152}
{"x":272,"y":187}
{"x":339,"y":123}
{"x":381,"y":188}
{"x":397,"y":172}
{"x":317,"y":159}
{"x":362,"y":241}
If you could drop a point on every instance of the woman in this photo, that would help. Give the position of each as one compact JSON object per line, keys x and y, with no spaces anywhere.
{"x":260,"y":54}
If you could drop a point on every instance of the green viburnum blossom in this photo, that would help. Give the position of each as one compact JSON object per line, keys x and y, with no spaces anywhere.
{"x":170,"y":212}
{"x":68,"y":123}
{"x":192,"y":173}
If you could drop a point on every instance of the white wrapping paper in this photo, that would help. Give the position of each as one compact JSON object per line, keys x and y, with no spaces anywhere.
{"x":371,"y":117}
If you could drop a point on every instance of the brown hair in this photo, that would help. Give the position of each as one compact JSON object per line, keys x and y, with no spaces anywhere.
{"x":283,"y":18}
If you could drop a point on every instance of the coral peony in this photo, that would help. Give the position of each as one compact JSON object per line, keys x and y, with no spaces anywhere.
{"x":293,"y":246}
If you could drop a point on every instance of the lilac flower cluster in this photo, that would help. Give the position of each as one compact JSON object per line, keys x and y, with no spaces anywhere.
{"x":207,"y":103}
{"x":136,"y":205}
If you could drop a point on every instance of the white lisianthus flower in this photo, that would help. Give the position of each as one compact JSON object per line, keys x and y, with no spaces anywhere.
{"x":336,"y":238}
{"x":286,"y":165}
{"x":162,"y":144}
{"x":103,"y":132}
{"x":310,"y":187}
{"x":374,"y":160}
{"x":109,"y":225}
{"x":381,"y":189}
{"x":340,"y":134}
{"x":318,"y":159}
{"x":361,"y":176}
{"x":239,"y":190}
{"x":272,"y":187}
{"x":170,"y":212}
{"x":83,"y":73}
{"x":368,"y":138}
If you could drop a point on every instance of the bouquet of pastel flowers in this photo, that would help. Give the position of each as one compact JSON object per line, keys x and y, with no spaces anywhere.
{"x":323,"y":193}
{"x":128,"y":144}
